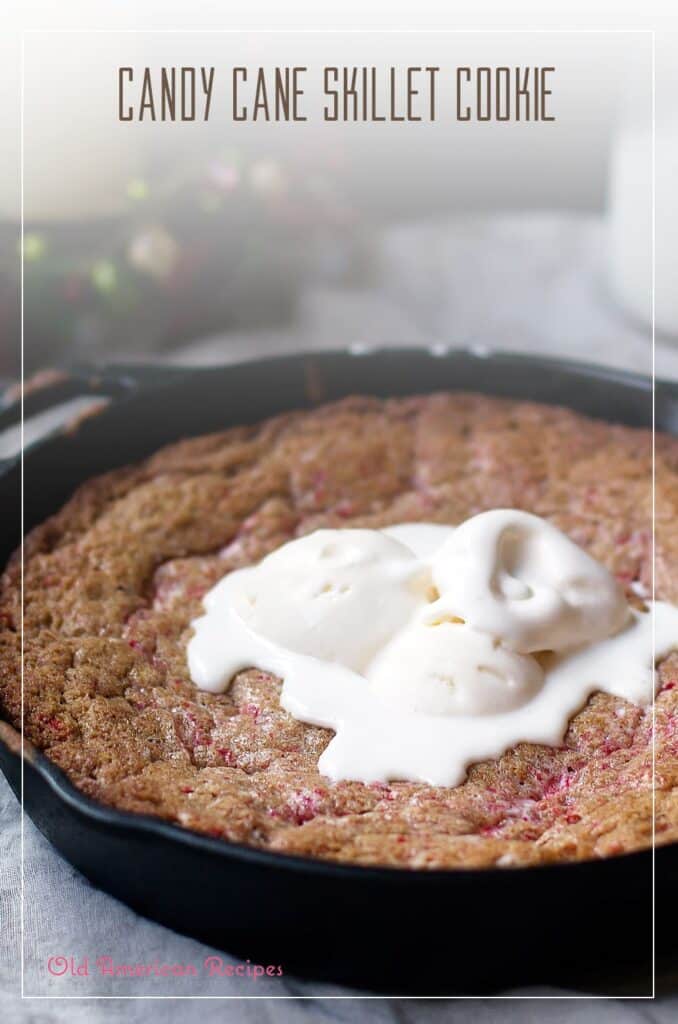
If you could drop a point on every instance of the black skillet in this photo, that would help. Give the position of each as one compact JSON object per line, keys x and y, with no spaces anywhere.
{"x":587,"y":924}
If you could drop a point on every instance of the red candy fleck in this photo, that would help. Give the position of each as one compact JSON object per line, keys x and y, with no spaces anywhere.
{"x":384,"y":789}
{"x":557,"y":784}
{"x":345,"y":509}
{"x":303,"y":805}
{"x":427,"y":500}
{"x":625,"y":577}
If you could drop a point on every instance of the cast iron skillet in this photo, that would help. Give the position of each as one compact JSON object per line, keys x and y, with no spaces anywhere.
{"x":389,"y":930}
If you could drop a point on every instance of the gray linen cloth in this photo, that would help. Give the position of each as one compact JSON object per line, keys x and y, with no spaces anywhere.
{"x":66,"y":916}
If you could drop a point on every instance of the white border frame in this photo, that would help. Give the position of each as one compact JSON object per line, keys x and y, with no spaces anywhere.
{"x":337,"y":32}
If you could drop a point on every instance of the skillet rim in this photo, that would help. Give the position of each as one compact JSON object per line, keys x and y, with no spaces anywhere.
{"x":123,"y":821}
{"x":126,"y":382}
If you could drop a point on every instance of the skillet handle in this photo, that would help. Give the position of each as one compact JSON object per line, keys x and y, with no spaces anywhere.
{"x":54,"y":398}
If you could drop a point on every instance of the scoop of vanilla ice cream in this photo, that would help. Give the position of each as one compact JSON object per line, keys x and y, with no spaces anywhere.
{"x":451,"y":669}
{"x":338,"y":595}
{"x":517,"y":577}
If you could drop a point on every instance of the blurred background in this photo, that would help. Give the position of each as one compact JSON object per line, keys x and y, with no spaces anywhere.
{"x":201,"y":243}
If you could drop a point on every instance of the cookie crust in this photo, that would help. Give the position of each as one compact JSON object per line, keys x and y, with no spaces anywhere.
{"x":113,"y":580}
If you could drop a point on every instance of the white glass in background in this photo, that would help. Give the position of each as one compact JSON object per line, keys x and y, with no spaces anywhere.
{"x":630,"y":201}
{"x":666,"y":226}
{"x":630,"y":221}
